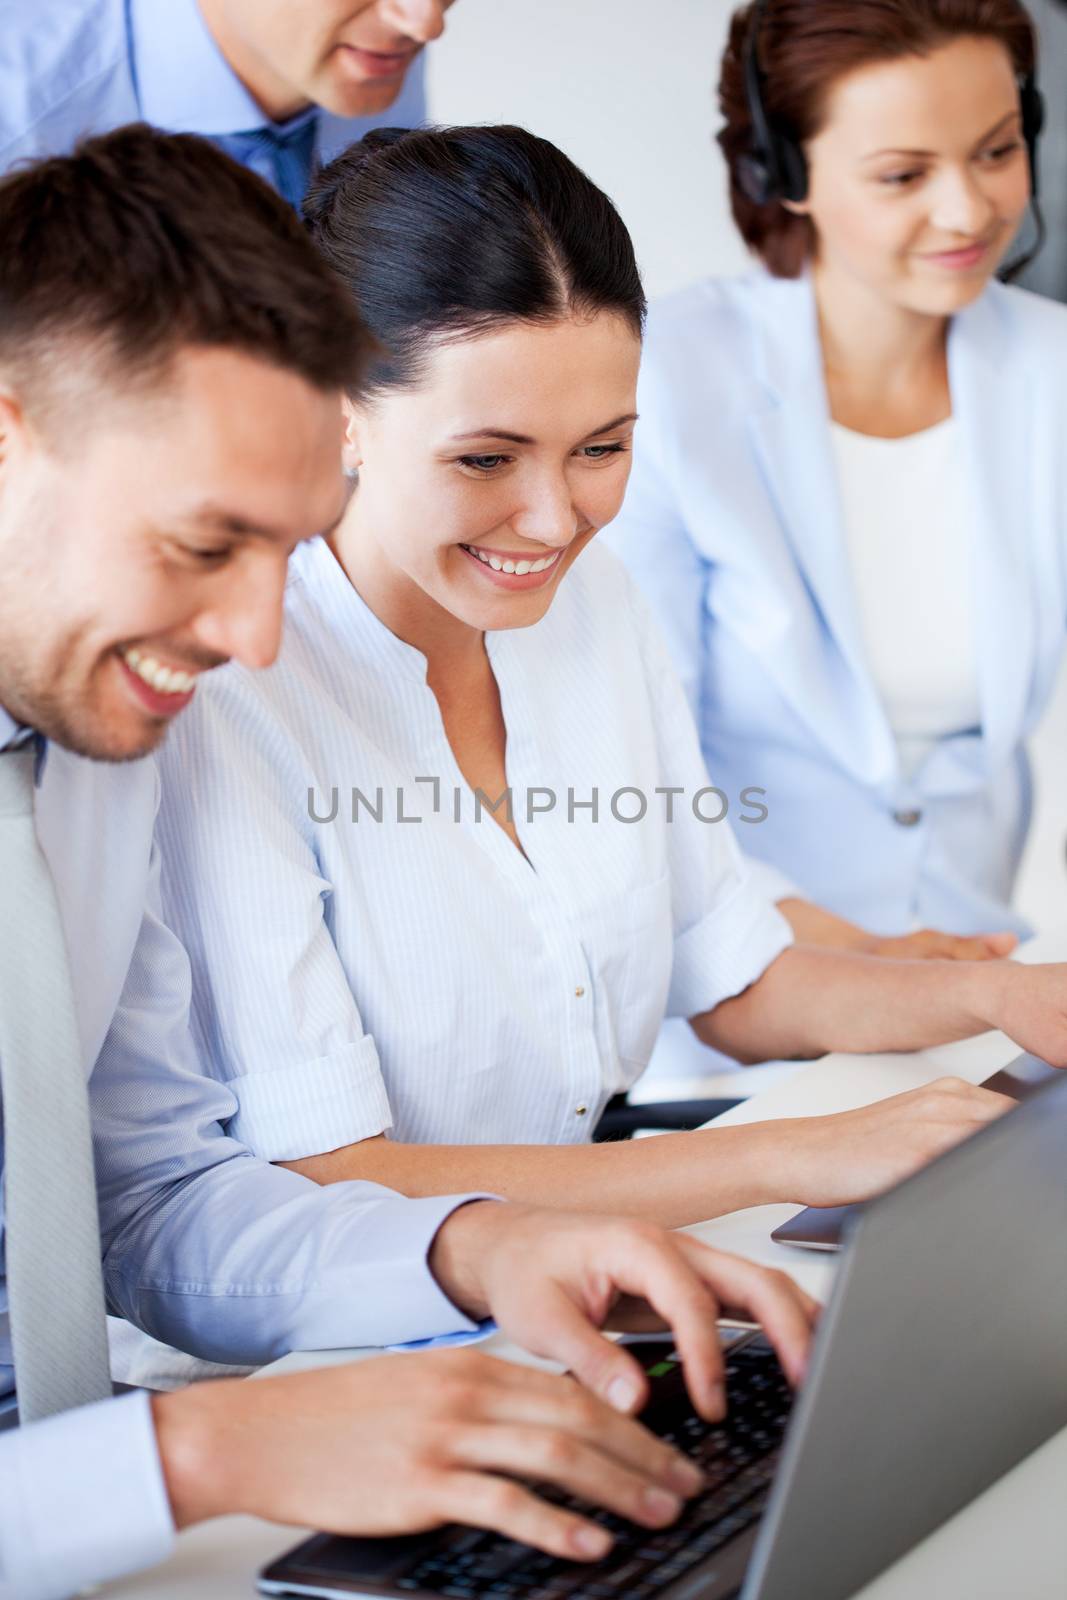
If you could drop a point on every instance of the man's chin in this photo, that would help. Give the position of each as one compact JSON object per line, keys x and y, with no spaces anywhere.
{"x":119,"y":739}
{"x":343,"y":98}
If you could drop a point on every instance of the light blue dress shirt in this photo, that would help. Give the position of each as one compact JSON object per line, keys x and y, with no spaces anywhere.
{"x":203,"y":1245}
{"x":71,"y":68}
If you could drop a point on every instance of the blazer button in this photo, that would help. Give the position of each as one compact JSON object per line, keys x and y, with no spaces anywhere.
{"x":907,"y":819}
{"x":580,"y":1111}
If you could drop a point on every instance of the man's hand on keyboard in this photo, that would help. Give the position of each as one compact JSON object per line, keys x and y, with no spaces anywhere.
{"x":553,"y":1280}
{"x":407,"y":1442}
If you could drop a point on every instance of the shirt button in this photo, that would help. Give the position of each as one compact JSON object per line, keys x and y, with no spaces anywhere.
{"x":907,"y":819}
{"x":580,"y":1111}
{"x":579,"y":992}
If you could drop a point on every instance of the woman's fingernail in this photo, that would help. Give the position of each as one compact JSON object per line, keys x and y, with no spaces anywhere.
{"x":661,"y":1505}
{"x":590,"y":1541}
{"x":622,"y":1393}
{"x":718,"y":1400}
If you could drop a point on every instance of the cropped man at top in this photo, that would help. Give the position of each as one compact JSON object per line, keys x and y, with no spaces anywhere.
{"x":281,"y":88}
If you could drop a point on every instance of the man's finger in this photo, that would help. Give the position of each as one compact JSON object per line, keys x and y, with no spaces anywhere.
{"x":786,"y":1314}
{"x":545,"y":1400}
{"x":482,"y":1501}
{"x":658,"y":1271}
{"x":568,"y":1462}
{"x":561,"y":1330}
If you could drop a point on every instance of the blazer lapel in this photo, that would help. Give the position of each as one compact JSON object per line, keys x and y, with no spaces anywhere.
{"x":993,"y":404}
{"x":830,"y":684}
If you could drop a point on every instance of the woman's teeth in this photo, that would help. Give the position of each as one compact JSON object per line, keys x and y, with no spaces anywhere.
{"x":164,"y":680}
{"x":519,"y":568}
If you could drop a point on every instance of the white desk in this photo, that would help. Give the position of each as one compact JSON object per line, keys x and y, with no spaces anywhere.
{"x":1009,"y":1544}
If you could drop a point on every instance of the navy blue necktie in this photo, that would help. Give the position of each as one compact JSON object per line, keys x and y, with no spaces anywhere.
{"x":284,"y":158}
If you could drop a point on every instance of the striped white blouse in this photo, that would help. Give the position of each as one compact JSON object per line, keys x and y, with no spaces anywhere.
{"x":370,"y":953}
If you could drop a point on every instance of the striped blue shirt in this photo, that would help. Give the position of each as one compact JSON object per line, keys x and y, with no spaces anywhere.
{"x":370,"y":950}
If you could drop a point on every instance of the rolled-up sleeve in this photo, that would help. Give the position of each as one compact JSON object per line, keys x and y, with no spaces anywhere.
{"x":243,"y":887}
{"x":82,"y":1500}
{"x":727,"y":951}
{"x":727,"y":929}
{"x":293,"y":1111}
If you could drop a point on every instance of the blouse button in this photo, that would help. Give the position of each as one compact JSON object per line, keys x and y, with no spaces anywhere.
{"x":907,"y":819}
{"x":578,"y":995}
{"x":580,"y":1111}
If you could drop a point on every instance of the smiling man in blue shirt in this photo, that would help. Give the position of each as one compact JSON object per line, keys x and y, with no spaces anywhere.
{"x":280,"y":87}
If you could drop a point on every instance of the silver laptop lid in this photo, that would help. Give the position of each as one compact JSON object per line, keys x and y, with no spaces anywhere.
{"x":941,"y":1360}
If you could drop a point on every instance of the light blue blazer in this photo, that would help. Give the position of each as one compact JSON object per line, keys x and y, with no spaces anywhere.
{"x":732,"y":525}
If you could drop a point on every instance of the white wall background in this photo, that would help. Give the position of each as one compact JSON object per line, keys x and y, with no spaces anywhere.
{"x":627,"y":88}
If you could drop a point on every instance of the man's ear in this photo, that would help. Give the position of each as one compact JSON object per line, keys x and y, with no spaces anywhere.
{"x":351,"y":450}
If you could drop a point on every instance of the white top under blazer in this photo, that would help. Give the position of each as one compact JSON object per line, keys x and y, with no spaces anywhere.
{"x":417,"y":973}
{"x":905,"y":512}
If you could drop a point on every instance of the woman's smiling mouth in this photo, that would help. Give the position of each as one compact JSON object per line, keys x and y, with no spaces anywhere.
{"x":510,"y":571}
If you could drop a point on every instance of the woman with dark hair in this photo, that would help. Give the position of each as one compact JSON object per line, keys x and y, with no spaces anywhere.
{"x":849,"y":498}
{"x":455,"y":856}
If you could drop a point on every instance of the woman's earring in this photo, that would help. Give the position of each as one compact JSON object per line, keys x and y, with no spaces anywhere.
{"x":351,"y":473}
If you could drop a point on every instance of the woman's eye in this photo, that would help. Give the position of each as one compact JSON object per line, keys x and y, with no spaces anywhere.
{"x":483,"y":463}
{"x":898,"y":180}
{"x":205,"y":557}
{"x":600,"y":452}
{"x":1002,"y":151}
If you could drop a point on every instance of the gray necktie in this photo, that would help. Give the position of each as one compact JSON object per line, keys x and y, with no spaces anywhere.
{"x":55,"y":1287}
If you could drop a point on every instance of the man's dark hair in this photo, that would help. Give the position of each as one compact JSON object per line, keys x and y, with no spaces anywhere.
{"x":141,"y":243}
{"x":445,"y":233}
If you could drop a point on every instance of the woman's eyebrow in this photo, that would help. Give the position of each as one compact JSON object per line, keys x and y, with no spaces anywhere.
{"x":875,"y":154}
{"x":524,"y":438}
{"x":492,"y":433}
{"x":616,"y":422}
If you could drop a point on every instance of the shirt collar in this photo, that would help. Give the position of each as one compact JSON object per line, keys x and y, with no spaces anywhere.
{"x":13,"y":734}
{"x":184,"y":82}
{"x":9,"y":729}
{"x":357,"y":629}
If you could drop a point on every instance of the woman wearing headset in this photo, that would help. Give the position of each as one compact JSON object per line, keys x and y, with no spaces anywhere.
{"x":849,"y":497}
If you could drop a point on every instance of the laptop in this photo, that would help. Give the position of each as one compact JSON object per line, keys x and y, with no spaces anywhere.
{"x":926,"y":1384}
{"x":821,"y":1227}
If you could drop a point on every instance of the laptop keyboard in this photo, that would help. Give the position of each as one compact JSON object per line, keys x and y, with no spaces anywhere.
{"x":739,"y":1458}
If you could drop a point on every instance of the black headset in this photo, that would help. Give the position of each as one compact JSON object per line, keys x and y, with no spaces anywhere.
{"x":776,"y":167}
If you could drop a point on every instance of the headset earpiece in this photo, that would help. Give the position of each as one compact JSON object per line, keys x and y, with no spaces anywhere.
{"x":1032,"y":108}
{"x":776,"y":167}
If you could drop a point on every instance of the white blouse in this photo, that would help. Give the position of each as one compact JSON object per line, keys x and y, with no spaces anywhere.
{"x":399,"y":964}
{"x":910,"y":541}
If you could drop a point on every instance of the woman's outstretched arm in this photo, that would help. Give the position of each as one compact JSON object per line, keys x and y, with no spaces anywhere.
{"x":680,"y":1178}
